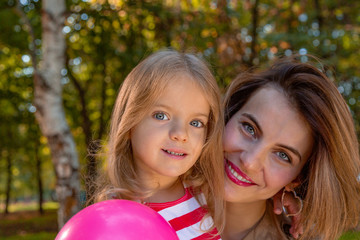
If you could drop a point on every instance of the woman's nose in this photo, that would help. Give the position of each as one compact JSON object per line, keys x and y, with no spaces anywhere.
{"x":253,"y":159}
{"x":178,"y":132}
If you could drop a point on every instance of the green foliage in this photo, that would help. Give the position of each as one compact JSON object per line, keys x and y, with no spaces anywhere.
{"x":350,"y":236}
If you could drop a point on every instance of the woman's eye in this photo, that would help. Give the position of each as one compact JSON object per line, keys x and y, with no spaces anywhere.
{"x":161,"y":116}
{"x":283,"y":156}
{"x":249,"y":129}
{"x":196,"y":123}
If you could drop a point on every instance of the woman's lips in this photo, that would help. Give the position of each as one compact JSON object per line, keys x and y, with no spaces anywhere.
{"x":236,"y":175}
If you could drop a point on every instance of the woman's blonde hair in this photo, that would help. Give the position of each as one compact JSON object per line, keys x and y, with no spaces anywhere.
{"x":330,"y":179}
{"x":144,"y":84}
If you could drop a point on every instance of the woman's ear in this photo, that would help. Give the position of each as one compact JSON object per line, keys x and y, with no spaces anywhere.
{"x":291,"y":186}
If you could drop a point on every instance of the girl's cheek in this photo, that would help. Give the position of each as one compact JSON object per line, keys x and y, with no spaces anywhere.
{"x":198,"y":137}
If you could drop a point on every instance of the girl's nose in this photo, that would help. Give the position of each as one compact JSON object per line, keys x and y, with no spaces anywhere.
{"x":178,"y":132}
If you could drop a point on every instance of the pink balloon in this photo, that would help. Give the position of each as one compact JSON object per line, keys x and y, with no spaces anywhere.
{"x":117,"y":219}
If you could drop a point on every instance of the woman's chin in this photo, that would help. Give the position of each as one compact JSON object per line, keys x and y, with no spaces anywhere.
{"x":233,"y":192}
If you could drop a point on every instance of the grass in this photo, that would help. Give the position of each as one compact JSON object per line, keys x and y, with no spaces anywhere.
{"x":31,"y":206}
{"x":31,"y":236}
{"x":25,"y":223}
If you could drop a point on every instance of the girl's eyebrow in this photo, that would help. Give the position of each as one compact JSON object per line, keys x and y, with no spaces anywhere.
{"x":161,"y":105}
{"x":169,"y":107}
{"x":253,"y":119}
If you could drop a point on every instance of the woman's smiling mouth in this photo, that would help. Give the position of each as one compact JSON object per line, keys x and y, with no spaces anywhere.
{"x":236,"y":175}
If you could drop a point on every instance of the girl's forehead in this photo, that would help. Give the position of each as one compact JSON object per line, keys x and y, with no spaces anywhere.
{"x":199,"y":82}
{"x":183,"y":96}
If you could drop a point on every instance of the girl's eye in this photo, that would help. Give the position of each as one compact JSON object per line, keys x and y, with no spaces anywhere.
{"x":196,"y":123}
{"x":283,"y":156}
{"x":161,"y":116}
{"x":249,"y":129}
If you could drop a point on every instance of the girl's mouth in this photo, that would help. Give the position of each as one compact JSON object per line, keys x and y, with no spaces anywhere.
{"x":174,"y":153}
{"x":236,"y":175}
{"x":177,"y":154}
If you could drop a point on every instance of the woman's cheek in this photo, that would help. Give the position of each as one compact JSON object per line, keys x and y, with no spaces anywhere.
{"x":230,"y":137}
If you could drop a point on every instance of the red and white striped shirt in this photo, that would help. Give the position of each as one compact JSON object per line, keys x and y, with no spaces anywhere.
{"x":185,"y":215}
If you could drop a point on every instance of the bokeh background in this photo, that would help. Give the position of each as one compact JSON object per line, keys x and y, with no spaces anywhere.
{"x":105,"y":39}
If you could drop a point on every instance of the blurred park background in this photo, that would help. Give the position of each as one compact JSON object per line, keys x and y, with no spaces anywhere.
{"x":62,"y":62}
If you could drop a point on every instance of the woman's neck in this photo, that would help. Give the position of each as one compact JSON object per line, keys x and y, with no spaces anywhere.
{"x":241,"y":218}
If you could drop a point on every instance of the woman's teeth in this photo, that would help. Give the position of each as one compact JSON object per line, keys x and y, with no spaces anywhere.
{"x":240,"y":178}
{"x":174,"y":153}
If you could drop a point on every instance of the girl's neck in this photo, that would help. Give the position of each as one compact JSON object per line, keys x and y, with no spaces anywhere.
{"x":167,"y":192}
{"x":241,"y":218}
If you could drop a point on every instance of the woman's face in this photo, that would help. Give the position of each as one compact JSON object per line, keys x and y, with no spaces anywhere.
{"x":266,"y":144}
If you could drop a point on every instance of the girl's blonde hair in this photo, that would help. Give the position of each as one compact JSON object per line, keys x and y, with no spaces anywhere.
{"x":144,"y":84}
{"x":330,"y":179}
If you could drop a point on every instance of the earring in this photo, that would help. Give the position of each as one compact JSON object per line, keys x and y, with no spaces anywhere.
{"x":296,"y":197}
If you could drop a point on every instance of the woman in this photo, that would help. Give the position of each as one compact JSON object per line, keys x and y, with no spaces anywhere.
{"x":289,"y":129}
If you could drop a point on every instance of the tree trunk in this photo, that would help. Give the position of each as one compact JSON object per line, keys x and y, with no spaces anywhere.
{"x":93,"y":145}
{"x":254,"y":16}
{"x":38,"y":176}
{"x":50,"y":112}
{"x":91,"y":167}
{"x":291,"y":19}
{"x":319,"y":16}
{"x":8,"y":182}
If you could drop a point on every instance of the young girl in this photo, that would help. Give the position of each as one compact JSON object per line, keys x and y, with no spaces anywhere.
{"x":164,"y":148}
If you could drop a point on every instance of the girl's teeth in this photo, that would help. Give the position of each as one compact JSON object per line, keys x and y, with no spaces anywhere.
{"x":240,"y":178}
{"x":174,"y":153}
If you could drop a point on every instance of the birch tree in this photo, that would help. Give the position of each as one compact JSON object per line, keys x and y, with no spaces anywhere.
{"x":50,"y":112}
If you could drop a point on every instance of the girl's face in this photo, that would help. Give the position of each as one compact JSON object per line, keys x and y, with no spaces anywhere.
{"x":169,"y":139}
{"x":266,"y":144}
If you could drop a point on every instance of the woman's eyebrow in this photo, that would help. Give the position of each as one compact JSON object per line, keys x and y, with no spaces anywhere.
{"x":293,"y":150}
{"x":253,"y":119}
